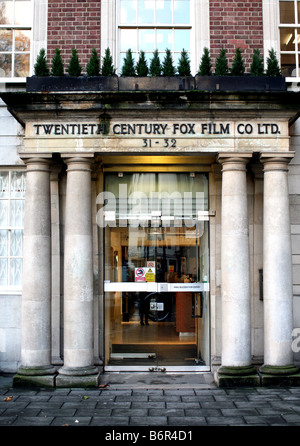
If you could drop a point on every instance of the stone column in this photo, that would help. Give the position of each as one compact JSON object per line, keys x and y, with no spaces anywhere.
{"x":235,"y":265}
{"x":277,"y":267}
{"x":36,"y":295}
{"x":78,"y":366}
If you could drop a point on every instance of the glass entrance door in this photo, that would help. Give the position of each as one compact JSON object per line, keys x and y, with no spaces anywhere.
{"x":156,"y":271}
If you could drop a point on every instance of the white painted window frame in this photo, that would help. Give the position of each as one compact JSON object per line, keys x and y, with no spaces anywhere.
{"x":271,"y":31}
{"x":200,"y":27}
{"x":12,"y":289}
{"x":38,"y":36}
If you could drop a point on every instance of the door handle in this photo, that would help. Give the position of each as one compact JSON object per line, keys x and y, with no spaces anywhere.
{"x":195,"y":305}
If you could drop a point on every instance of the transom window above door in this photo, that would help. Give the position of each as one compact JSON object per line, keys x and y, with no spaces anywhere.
{"x":147,"y":25}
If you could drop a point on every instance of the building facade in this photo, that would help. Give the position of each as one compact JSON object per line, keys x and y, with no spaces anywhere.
{"x":149,"y":223}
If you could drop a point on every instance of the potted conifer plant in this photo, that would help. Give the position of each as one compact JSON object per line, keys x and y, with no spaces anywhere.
{"x":56,"y":79}
{"x":41,"y":66}
{"x":142,"y":69}
{"x":168,"y":68}
{"x":157,"y":76}
{"x":235,"y":78}
{"x":107,"y":68}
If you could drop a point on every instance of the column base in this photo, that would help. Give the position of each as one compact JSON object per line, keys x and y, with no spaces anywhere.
{"x":244,"y":376}
{"x":78,"y":381}
{"x":78,"y":377}
{"x":34,"y":381}
{"x":288,"y":375}
{"x":36,"y":371}
{"x":35,"y":377}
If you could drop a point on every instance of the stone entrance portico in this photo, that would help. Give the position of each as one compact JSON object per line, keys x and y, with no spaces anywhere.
{"x":81,"y":130}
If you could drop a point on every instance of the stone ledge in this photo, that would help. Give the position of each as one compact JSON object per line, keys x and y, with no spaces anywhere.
{"x":156,"y":83}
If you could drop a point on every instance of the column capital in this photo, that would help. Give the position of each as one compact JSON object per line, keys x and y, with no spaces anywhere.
{"x":78,"y":162}
{"x":234,"y":160}
{"x":276,"y":160}
{"x":37,"y":163}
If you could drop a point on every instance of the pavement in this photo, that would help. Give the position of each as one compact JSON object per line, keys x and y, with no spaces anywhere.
{"x":160,"y":401}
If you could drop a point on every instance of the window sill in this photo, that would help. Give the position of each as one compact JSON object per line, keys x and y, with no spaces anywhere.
{"x":13,"y":80}
{"x":10,"y":292}
{"x":293,"y":80}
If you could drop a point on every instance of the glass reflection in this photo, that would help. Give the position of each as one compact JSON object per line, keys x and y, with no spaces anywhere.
{"x":23,"y":12}
{"x":287,"y":39}
{"x":5,"y":65}
{"x":164,"y":11}
{"x":4,"y":213}
{"x":155,"y":317}
{"x":18,"y":184}
{"x":128,"y":11}
{"x":6,"y":38}
{"x":16,"y":272}
{"x":22,"y":64}
{"x":164,"y":39}
{"x":287,"y":13}
{"x":3,"y":272}
{"x":6,"y":12}
{"x":181,"y":11}
{"x":182,"y":39}
{"x":17,"y":213}
{"x":16,"y":247}
{"x":146,"y":11}
{"x":4,"y":185}
{"x":3,"y":243}
{"x":22,"y":40}
{"x":128,"y":39}
{"x":288,"y":65}
{"x":146,"y":39}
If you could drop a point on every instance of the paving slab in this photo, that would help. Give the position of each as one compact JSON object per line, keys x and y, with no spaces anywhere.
{"x":167,"y":401}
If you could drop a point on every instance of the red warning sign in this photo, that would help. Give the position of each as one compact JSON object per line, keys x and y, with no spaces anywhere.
{"x":140,"y":275}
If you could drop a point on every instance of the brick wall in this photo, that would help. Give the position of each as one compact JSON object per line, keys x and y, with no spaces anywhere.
{"x":236,"y":24}
{"x":76,"y":24}
{"x":73,"y":24}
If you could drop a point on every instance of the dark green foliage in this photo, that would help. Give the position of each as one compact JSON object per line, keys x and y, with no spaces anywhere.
{"x":273,"y":68}
{"x":183,"y":67}
{"x":128,"y":68}
{"x":205,"y":64}
{"x":168,"y":68}
{"x":93,"y":66}
{"x":222,"y":64}
{"x":74,"y":68}
{"x":155,"y":65}
{"x":41,"y":65}
{"x":238,"y":67}
{"x":257,"y":64}
{"x":107,"y":68}
{"x":57,"y":68}
{"x":142,"y":67}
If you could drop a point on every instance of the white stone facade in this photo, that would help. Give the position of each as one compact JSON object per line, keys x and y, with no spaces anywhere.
{"x":243,"y":195}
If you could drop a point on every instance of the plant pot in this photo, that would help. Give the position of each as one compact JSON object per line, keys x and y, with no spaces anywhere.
{"x":156,"y":83}
{"x":71,"y":83}
{"x":240,"y":83}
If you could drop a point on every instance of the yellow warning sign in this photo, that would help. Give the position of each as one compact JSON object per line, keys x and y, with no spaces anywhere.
{"x":150,"y":276}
